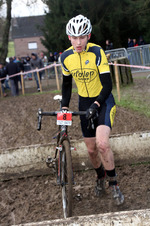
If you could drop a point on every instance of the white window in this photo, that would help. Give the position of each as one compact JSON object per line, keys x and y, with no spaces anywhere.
{"x":32,"y":45}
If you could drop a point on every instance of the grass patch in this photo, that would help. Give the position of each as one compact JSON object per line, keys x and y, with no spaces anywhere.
{"x":140,"y":163}
{"x":134,"y":101}
{"x":46,"y":92}
{"x":56,"y":91}
{"x":11,"y":49}
{"x":52,"y":91}
{"x":40,"y":93}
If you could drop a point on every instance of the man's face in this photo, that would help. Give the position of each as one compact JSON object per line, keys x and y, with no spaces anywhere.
{"x":79,"y":43}
{"x":33,"y":57}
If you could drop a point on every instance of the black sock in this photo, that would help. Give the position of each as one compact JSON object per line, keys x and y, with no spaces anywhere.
{"x":112,"y":175}
{"x":113,"y":182}
{"x":100,"y":172}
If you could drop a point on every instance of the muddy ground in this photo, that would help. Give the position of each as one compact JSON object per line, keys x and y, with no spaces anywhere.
{"x":39,"y":198}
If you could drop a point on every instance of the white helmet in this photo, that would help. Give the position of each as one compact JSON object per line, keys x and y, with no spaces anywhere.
{"x":78,"y":26}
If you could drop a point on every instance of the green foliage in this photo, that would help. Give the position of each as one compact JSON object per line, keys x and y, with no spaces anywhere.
{"x":55,"y":22}
{"x":11,"y":49}
{"x":111,"y":19}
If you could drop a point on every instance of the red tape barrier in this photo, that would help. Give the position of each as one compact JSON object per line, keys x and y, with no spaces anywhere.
{"x":133,"y":66}
{"x":31,"y":71}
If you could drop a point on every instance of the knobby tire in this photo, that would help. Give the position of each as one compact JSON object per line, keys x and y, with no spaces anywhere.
{"x":66,"y":179}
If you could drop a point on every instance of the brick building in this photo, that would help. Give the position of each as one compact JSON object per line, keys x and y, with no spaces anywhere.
{"x":26,"y":35}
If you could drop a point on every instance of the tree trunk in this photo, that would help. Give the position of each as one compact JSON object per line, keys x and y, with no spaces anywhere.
{"x":5,"y":38}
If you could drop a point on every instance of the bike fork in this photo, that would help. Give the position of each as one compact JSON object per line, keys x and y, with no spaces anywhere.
{"x":56,"y":164}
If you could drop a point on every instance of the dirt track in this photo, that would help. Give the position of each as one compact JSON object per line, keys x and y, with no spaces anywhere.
{"x":19,"y":120}
{"x":38,"y":198}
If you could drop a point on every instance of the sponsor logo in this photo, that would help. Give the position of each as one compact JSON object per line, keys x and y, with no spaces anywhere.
{"x":105,"y":64}
{"x":86,"y":62}
{"x":85,"y":75}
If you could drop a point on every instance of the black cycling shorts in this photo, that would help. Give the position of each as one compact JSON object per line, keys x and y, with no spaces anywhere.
{"x":106,"y":114}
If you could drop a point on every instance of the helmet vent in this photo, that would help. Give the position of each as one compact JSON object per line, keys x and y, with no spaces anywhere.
{"x":78,"y":26}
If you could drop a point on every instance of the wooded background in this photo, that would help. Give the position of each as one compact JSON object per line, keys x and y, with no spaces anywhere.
{"x":116,"y":20}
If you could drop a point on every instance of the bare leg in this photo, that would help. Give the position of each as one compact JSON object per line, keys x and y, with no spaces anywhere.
{"x":102,"y":143}
{"x":93,"y":151}
{"x":99,"y":151}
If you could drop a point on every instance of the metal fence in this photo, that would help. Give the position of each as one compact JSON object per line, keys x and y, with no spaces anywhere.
{"x":139,"y":55}
{"x":117,"y":53}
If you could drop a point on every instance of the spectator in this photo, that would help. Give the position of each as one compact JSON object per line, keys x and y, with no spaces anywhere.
{"x":28,"y":58}
{"x":20,"y":68}
{"x":36,"y":62}
{"x":7,"y":82}
{"x":43,"y":58}
{"x":11,"y":69}
{"x":20,"y":64}
{"x":109,"y":45}
{"x":2,"y":75}
{"x":14,"y":59}
{"x":51,"y":58}
{"x":135,"y":42}
{"x":130,"y":42}
{"x":141,"y":41}
{"x":27,"y":67}
{"x":56,"y":56}
{"x":59,"y":57}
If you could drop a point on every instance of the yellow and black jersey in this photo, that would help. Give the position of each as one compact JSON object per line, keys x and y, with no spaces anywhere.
{"x":86,"y":68}
{"x":91,"y":73}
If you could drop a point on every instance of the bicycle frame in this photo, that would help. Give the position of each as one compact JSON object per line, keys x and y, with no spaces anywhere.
{"x":62,"y":135}
{"x":62,"y":163}
{"x":52,"y":162}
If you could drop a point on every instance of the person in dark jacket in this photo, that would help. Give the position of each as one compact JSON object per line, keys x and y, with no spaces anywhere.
{"x":20,"y":64}
{"x":2,"y":75}
{"x":20,"y":68}
{"x":51,"y":58}
{"x":130,"y":42}
{"x":141,"y":41}
{"x":11,"y":69}
{"x":36,"y":62}
{"x":109,"y":45}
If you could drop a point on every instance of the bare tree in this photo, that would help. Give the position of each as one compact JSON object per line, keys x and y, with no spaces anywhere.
{"x":5,"y":36}
{"x":6,"y":27}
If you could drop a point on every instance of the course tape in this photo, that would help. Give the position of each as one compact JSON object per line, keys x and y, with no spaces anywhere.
{"x":133,"y":66}
{"x":57,"y":65}
{"x":31,"y":71}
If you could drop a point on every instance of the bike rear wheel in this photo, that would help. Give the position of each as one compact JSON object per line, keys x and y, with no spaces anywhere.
{"x":66,"y":179}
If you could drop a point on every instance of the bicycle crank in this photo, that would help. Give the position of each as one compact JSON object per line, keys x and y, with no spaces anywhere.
{"x":51,"y":162}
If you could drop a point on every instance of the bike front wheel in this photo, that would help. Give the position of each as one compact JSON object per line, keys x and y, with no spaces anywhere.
{"x":66,"y":179}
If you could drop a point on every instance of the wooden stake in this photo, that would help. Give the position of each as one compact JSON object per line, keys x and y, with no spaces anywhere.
{"x":39,"y":80}
{"x":57,"y":80}
{"x":46,"y":73}
{"x":22,"y":83}
{"x":117,"y":80}
{"x":1,"y":89}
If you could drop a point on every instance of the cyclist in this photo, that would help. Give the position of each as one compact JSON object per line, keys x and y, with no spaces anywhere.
{"x":88,"y":65}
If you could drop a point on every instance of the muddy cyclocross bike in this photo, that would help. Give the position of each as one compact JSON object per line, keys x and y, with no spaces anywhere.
{"x":62,"y":161}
